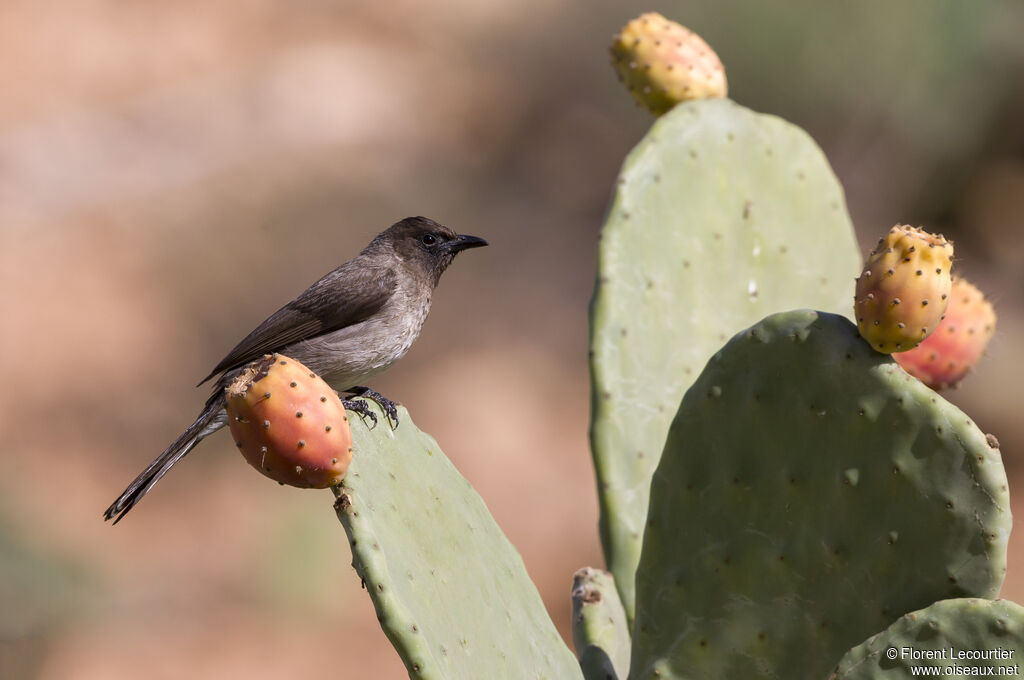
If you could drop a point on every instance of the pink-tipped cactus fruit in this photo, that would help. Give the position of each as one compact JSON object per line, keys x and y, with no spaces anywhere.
{"x":289,"y":424}
{"x":957,"y":344}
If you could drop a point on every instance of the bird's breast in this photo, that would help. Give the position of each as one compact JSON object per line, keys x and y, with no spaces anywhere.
{"x":348,"y":356}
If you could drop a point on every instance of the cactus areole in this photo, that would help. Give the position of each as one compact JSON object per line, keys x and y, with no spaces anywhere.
{"x":903,"y":291}
{"x":289,"y":424}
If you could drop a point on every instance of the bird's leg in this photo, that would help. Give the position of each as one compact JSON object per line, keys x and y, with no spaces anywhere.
{"x":384,"y":402}
{"x":360,"y":408}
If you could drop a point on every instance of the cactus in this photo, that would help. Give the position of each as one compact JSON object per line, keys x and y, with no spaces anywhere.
{"x":904,"y":289}
{"x":599,"y":629}
{"x":288,"y":423}
{"x":809,"y":490}
{"x":957,"y":344}
{"x":962,"y":637}
{"x":721,"y":216}
{"x":663,"y":63}
{"x":450,"y":591}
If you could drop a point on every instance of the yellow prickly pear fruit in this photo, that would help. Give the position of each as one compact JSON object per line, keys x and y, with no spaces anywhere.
{"x":904,"y":289}
{"x":663,"y":63}
{"x":289,"y":424}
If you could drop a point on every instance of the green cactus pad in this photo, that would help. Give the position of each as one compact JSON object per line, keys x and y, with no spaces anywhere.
{"x":959,"y":638}
{"x":450,"y":591}
{"x":721,"y":216}
{"x":599,"y":629}
{"x":810,"y":493}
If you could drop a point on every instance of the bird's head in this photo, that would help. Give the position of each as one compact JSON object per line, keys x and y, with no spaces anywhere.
{"x":427,"y":245}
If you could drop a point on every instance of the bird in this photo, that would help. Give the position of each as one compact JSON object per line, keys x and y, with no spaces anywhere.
{"x":350,"y":325}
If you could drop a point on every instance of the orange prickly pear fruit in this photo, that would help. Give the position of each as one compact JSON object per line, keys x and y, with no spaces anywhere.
{"x":289,"y":424}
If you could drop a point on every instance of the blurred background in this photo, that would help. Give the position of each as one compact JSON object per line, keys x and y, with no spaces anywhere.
{"x":172,"y":172}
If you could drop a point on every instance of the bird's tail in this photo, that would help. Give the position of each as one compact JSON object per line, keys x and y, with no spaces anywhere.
{"x":208,"y":422}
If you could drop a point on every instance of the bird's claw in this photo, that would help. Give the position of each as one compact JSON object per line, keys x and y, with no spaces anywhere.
{"x":388,"y":406}
{"x":359,"y":407}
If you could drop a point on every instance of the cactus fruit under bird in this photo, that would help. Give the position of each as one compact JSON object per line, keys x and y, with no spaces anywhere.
{"x":289,"y":424}
{"x":957,"y":344}
{"x":903,"y":291}
{"x":663,"y":63}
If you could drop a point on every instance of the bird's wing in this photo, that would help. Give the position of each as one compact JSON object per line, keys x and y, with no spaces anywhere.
{"x":320,"y":309}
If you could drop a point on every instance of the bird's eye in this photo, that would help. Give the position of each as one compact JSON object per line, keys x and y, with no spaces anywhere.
{"x":428,"y":239}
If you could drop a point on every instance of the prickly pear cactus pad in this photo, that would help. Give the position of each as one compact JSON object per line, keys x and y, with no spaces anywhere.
{"x":450,"y":591}
{"x":720,"y":217}
{"x":599,"y":629}
{"x":955,"y":638}
{"x":810,"y":493}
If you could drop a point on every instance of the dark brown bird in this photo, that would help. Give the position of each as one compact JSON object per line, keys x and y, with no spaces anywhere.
{"x":348,"y":326}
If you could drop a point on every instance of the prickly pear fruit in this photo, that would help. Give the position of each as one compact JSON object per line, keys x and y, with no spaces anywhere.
{"x":958,"y":342}
{"x":663,"y":63}
{"x":904,"y":289}
{"x":289,"y":424}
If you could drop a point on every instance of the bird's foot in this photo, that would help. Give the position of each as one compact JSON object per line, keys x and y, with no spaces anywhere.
{"x":359,"y":407}
{"x":390,"y":410}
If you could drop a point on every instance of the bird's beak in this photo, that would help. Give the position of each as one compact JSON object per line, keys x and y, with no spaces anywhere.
{"x":464,"y":242}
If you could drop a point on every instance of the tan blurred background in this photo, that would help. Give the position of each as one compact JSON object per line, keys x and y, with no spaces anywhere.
{"x":171,"y":172}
